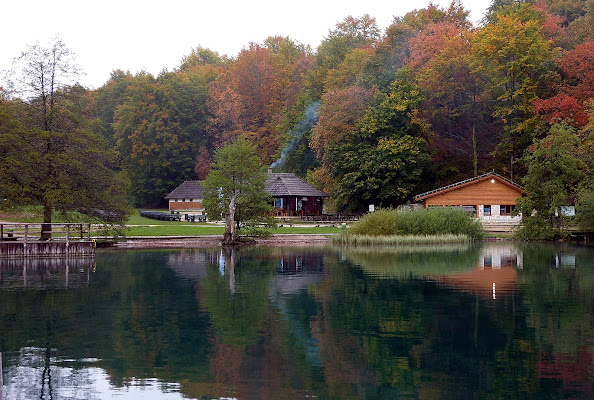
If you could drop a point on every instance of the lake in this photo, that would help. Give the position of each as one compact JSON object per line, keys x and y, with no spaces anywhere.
{"x":496,"y":320}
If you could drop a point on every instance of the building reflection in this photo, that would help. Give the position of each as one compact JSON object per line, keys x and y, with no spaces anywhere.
{"x":495,"y":272}
{"x":296,"y":269}
{"x":45,"y":272}
{"x":191,"y":264}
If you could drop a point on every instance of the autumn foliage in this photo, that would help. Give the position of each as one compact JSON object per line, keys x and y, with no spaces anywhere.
{"x":431,"y":100}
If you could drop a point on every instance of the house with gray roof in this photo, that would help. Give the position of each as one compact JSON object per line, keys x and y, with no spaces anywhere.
{"x":187,"y":198}
{"x":292,"y":196}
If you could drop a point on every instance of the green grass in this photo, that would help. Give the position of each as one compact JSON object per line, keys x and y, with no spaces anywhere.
{"x":398,"y":240}
{"x":185,"y":229}
{"x":174,"y":230}
{"x":141,"y":226}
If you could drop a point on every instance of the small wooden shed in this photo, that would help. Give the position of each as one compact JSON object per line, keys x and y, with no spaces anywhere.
{"x":489,"y":196}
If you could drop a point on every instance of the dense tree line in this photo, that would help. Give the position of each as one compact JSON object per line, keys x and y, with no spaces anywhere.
{"x":431,"y":100}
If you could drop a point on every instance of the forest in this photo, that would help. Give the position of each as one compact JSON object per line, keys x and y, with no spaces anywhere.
{"x":370,"y":117}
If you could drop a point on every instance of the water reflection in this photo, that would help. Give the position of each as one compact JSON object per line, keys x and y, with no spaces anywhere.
{"x":488,"y":269}
{"x":45,"y":273}
{"x":50,"y":377}
{"x":495,"y":272}
{"x":500,"y":320}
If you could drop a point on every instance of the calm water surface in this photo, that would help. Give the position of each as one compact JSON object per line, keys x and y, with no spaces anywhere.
{"x":497,"y":321}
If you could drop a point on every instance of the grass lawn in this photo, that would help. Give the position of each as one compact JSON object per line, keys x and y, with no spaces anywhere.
{"x":169,"y":228}
{"x":199,"y":230}
{"x":141,"y":226}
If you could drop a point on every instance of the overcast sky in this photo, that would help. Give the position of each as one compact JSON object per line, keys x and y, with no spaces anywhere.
{"x":152,"y":35}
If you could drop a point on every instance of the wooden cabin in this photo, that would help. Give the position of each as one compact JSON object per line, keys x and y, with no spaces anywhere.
{"x":490,"y":197}
{"x":292,"y":196}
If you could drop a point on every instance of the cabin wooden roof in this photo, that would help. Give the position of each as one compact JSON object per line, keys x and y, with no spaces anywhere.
{"x":277,"y":185}
{"x":468,"y":182}
{"x":187,"y":190}
{"x":287,"y":184}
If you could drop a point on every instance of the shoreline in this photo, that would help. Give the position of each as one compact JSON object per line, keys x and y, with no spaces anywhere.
{"x":279,"y":240}
{"x":180,"y":242}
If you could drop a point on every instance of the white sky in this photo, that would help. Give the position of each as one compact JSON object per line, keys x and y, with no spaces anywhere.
{"x":154,"y":35}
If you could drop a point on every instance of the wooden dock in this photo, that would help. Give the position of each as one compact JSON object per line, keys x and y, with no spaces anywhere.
{"x":23,"y":240}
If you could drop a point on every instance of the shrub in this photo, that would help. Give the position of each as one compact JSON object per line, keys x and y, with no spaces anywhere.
{"x":536,"y":228}
{"x":431,"y":221}
{"x":585,"y":211}
{"x":382,"y":222}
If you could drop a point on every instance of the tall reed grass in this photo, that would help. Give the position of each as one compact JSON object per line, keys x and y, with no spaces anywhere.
{"x":432,"y":225}
{"x":399,"y":240}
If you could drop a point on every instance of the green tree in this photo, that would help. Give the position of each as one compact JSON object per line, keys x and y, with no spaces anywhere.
{"x":556,"y":171}
{"x":50,"y":156}
{"x":512,"y":52}
{"x":585,"y":211}
{"x":349,"y":35}
{"x":160,"y":127}
{"x":383,"y":163}
{"x":236,"y":188}
{"x":107,"y":100}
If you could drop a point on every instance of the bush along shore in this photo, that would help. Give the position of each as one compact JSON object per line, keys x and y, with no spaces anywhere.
{"x":397,"y":227}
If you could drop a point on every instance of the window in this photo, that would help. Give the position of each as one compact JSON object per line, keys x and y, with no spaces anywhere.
{"x":488,"y":260}
{"x":487,"y":211}
{"x":507,"y":261}
{"x":278,"y":202}
{"x":506,"y":210}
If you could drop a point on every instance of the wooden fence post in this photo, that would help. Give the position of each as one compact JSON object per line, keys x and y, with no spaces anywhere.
{"x":26,"y":233}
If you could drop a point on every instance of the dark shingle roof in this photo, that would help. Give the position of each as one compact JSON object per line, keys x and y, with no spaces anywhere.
{"x":287,"y":184}
{"x":187,"y":190}
{"x":277,"y":185}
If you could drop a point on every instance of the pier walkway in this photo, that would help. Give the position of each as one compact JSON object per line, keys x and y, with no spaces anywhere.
{"x":24,"y":240}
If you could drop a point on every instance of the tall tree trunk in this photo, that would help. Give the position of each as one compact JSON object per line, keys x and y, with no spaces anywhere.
{"x":230,"y":236}
{"x":46,"y":227}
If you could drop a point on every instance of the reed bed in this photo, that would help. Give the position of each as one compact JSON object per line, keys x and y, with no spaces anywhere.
{"x":421,"y":226}
{"x":400,"y":240}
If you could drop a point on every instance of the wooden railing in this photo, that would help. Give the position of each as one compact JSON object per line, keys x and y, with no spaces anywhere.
{"x":28,"y":232}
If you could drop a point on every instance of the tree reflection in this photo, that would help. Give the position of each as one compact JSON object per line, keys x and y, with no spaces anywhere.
{"x":411,"y":332}
{"x":287,"y":323}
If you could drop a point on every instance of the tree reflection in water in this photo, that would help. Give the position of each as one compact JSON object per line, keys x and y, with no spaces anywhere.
{"x":420,"y":322}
